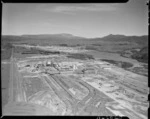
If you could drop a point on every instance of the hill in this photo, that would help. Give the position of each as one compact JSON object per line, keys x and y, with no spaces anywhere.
{"x":110,"y":43}
{"x":73,"y":40}
{"x":55,"y":36}
{"x":142,"y":40}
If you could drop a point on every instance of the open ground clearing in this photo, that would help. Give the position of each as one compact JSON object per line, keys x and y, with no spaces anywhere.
{"x":79,"y":85}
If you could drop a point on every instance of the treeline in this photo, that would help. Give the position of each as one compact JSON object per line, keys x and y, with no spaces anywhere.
{"x":80,"y":56}
{"x":39,"y":51}
{"x":69,"y":45}
{"x":142,"y":55}
{"x":119,"y":63}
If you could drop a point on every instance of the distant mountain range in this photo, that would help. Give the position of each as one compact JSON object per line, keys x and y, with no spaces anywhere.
{"x":71,"y":39}
{"x":62,"y":35}
{"x":67,"y":35}
{"x":110,"y":43}
{"x":123,"y":37}
{"x":113,"y":36}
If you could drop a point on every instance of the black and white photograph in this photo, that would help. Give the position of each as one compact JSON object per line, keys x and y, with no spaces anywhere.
{"x":75,"y":59}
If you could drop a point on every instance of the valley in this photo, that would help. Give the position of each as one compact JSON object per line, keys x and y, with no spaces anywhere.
{"x":67,"y":83}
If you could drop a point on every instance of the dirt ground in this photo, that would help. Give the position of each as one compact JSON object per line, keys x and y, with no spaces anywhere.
{"x":5,"y":71}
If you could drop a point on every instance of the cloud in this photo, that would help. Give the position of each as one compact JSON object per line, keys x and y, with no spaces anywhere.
{"x":74,"y":8}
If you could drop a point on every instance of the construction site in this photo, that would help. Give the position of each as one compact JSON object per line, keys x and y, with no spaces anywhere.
{"x":57,"y":85}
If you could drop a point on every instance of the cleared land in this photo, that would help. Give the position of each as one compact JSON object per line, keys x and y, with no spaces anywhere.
{"x":47,"y":82}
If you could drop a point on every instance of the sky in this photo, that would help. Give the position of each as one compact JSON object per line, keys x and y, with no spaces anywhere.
{"x":87,"y":20}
